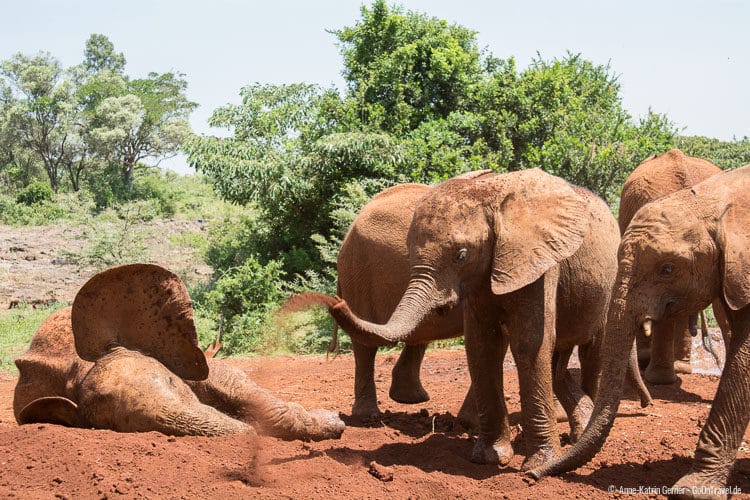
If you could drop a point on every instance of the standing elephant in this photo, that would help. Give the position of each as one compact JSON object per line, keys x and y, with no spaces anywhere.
{"x":679,"y":254}
{"x":373,"y":271}
{"x":530,"y":262}
{"x":125,"y":357}
{"x":656,"y":177}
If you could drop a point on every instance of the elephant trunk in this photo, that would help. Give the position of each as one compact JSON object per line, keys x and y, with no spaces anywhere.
{"x":619,"y":341}
{"x":634,"y":375}
{"x":415,"y":305}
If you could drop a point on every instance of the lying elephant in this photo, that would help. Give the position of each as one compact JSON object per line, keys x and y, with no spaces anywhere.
{"x":656,"y":177}
{"x":529,"y":261}
{"x":125,"y":357}
{"x":678,"y":255}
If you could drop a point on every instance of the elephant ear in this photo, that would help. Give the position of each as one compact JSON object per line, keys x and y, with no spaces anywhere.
{"x":734,"y":239}
{"x":51,"y":410}
{"x":538,"y":222}
{"x":141,"y":307}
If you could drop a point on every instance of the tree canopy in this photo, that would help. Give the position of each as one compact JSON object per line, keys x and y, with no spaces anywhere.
{"x":88,"y":123}
{"x":422,"y":103}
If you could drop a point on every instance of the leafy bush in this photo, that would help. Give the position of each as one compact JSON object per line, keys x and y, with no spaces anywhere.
{"x":35,"y":193}
{"x":20,"y":214}
{"x":244,"y":295}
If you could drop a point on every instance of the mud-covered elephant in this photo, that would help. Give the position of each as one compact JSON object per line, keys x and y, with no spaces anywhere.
{"x":373,"y":271}
{"x":125,"y":357}
{"x":530,"y":262}
{"x":679,"y":254}
{"x":656,"y":177}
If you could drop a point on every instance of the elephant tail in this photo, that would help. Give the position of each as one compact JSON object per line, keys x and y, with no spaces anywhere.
{"x":302,"y":301}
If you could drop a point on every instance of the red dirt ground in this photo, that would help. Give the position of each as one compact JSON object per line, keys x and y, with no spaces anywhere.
{"x":416,"y":451}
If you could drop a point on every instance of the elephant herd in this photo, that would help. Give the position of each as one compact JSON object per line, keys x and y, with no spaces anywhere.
{"x":521,"y":260}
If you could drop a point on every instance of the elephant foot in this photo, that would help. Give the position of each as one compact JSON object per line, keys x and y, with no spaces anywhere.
{"x":683,"y":366}
{"x":698,"y":486}
{"x":541,"y":457}
{"x":500,"y":452}
{"x":365,"y":409}
{"x":660,"y":375}
{"x":408,"y":393}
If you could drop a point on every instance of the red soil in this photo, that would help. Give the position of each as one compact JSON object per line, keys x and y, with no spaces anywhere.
{"x":412,"y":451}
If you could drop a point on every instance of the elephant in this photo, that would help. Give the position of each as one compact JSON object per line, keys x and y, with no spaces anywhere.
{"x":679,"y":254}
{"x":529,"y":261}
{"x":125,"y":357}
{"x":373,"y":271}
{"x":658,"y":176}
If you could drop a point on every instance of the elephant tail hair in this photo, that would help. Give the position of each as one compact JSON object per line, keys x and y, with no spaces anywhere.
{"x":302,"y":301}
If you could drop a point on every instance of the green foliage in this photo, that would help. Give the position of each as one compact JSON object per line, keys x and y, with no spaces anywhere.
{"x":725,"y":154}
{"x":20,"y":214}
{"x":35,"y":193}
{"x":17,"y":327}
{"x":244,"y":296}
{"x":404,"y":68}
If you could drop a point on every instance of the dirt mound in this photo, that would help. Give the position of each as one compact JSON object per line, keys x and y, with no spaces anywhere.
{"x":413,"y":450}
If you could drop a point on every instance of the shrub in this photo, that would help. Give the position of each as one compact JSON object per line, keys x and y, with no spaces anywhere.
{"x":35,"y":193}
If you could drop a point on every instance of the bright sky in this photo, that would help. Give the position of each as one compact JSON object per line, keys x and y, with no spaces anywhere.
{"x":689,"y":59}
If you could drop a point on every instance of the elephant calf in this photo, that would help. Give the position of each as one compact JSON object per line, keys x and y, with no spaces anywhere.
{"x":679,"y":254}
{"x":125,"y":357}
{"x":529,"y":262}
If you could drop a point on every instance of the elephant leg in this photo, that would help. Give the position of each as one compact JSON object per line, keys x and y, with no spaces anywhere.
{"x":405,"y":384}
{"x":365,"y":395}
{"x":578,"y":406}
{"x":532,"y":341}
{"x":683,"y":346}
{"x":467,"y":415}
{"x":484,"y":347}
{"x":660,"y":369}
{"x":231,"y":391}
{"x":726,"y":423}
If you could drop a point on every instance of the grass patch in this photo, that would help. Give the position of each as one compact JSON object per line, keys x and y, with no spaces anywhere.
{"x":17,"y":327}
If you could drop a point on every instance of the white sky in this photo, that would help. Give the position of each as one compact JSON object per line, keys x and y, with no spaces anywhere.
{"x":689,"y":59}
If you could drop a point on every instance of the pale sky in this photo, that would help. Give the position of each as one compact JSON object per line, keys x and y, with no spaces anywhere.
{"x":689,"y":59}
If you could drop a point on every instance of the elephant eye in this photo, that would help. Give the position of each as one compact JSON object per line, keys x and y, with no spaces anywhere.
{"x":666,"y":269}
{"x":462,"y":254}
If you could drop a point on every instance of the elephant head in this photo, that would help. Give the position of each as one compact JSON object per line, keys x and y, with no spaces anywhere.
{"x":678,"y":254}
{"x":510,"y":227}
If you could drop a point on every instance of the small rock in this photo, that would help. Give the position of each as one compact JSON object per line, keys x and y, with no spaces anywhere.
{"x":381,"y":472}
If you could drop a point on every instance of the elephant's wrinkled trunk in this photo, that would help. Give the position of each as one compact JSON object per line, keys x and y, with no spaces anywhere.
{"x":415,"y":305}
{"x":620,"y":335}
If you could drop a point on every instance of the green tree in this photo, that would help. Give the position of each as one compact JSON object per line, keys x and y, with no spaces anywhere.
{"x":100,"y":55}
{"x":43,"y":117}
{"x":405,"y":68}
{"x":726,"y":154}
{"x":292,"y":151}
{"x":566,"y":117}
